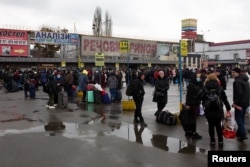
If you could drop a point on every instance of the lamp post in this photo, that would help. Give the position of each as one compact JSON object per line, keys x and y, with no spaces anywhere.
{"x":203,"y":57}
{"x":98,"y":28}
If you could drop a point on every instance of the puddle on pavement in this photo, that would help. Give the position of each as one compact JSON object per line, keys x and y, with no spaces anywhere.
{"x":108,"y":118}
{"x":126,"y":131}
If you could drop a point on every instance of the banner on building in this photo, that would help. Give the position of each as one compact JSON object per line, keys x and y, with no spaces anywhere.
{"x":56,"y":38}
{"x":13,"y":42}
{"x":111,"y":46}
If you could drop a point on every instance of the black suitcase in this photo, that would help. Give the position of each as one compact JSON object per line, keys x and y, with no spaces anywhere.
{"x":97,"y":97}
{"x":62,"y":99}
{"x":166,"y":117}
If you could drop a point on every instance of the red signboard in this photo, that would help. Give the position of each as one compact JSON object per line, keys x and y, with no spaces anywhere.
{"x":189,"y":35}
{"x":13,"y":42}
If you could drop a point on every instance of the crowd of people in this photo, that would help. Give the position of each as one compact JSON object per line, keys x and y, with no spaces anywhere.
{"x":198,"y":83}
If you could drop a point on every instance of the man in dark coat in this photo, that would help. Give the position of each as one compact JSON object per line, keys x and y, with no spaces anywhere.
{"x":240,"y":101}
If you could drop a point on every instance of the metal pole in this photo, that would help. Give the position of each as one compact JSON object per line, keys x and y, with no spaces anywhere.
{"x":180,"y":80}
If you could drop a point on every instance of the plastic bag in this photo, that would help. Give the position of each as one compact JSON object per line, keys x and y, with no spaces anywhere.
{"x":229,"y":126}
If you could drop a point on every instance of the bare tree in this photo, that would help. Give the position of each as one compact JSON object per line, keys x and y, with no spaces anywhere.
{"x":97,"y":22}
{"x":108,"y":25}
{"x":98,"y":29}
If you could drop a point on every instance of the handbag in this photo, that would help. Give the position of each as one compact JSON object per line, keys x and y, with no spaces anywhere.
{"x":158,"y":93}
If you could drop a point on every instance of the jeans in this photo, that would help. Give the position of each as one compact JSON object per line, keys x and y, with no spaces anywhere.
{"x":240,"y":120}
{"x":112,"y":93}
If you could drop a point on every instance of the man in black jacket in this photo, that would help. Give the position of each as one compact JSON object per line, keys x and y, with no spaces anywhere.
{"x":240,"y":101}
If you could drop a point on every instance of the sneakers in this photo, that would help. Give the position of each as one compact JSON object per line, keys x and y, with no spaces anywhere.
{"x":196,"y":136}
{"x":52,"y":107}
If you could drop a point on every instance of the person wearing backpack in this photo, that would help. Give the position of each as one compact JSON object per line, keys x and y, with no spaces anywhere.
{"x":213,"y":97}
{"x":240,"y":101}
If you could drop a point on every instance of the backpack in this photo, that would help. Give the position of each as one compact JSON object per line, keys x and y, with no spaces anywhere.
{"x":213,"y":100}
{"x":129,"y":90}
{"x":46,"y":88}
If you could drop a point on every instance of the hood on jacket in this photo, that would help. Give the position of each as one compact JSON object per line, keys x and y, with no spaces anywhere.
{"x":244,"y":77}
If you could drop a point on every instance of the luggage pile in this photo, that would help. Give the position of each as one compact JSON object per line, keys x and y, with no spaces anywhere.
{"x":95,"y":94}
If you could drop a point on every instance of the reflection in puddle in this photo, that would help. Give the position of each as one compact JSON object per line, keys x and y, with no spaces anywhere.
{"x":123,"y":130}
{"x":145,"y":137}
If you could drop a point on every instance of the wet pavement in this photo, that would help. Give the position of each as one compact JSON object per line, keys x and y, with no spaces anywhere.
{"x":86,"y":134}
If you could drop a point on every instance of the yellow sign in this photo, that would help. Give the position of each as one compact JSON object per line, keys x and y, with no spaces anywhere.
{"x":63,"y":64}
{"x":81,"y":65}
{"x":189,"y":23}
{"x":117,"y":65}
{"x":19,"y":51}
{"x":149,"y":64}
{"x":99,"y":59}
{"x":184,"y":48}
{"x":124,"y":46}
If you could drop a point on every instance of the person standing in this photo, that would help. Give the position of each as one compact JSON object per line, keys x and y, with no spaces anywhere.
{"x":83,"y":83}
{"x":51,"y":91}
{"x":240,"y":101}
{"x":161,"y":92}
{"x":138,"y":96}
{"x":214,"y":113}
{"x":68,"y":82}
{"x":112,"y":83}
{"x":193,"y":104}
{"x":26,"y":81}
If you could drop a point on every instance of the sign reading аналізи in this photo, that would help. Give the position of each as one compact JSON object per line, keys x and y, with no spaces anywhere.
{"x":56,"y":38}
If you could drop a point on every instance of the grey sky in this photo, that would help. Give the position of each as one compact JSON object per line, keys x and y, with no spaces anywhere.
{"x":227,"y":20}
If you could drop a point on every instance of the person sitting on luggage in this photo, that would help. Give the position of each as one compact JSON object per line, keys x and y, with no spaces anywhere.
{"x":51,"y":92}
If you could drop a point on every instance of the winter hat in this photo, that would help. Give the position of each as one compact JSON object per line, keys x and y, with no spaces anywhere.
{"x":236,"y":70}
{"x":85,"y":72}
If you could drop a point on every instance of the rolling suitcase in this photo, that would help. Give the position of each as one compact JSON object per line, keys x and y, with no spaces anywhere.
{"x":62,"y":100}
{"x":32,"y":90}
{"x":90,"y":96}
